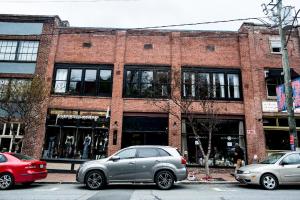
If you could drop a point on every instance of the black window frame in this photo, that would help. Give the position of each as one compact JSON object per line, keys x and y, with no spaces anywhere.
{"x":17,"y":52}
{"x":84,"y":68}
{"x":211,"y":71}
{"x":153,"y":68}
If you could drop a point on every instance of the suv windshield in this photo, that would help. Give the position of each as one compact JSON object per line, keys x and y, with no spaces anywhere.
{"x":273,"y":158}
{"x":22,"y":157}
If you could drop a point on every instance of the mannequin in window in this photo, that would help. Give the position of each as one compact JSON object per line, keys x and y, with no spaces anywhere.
{"x":51,"y":146}
{"x":68,"y":146}
{"x":86,"y":144}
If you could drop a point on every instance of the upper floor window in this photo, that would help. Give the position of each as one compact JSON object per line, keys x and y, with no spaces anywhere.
{"x":147,"y":82}
{"x":211,"y":83}
{"x":275,"y":45}
{"x":23,"y":51}
{"x":83,"y":80}
{"x":10,"y":88}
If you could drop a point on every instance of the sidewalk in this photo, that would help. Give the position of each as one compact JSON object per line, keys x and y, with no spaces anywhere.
{"x":195,"y":177}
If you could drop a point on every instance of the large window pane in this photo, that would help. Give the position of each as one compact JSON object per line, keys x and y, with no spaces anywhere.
{"x":61,"y":81}
{"x":132,"y":88}
{"x":3,"y":88}
{"x":189,"y":84}
{"x":162,"y":84}
{"x":204,"y":86}
{"x":8,"y":50}
{"x":147,"y":84}
{"x":27,"y":50}
{"x":233,"y":86}
{"x":90,"y":85}
{"x":75,"y":81}
{"x":105,"y":82}
{"x":218,"y":85}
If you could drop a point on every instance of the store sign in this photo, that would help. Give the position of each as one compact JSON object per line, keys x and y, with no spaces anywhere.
{"x":77,"y":117}
{"x":269,"y":106}
{"x":272,"y":106}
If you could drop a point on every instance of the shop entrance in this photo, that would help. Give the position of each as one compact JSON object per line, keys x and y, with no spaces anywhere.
{"x":141,"y":130}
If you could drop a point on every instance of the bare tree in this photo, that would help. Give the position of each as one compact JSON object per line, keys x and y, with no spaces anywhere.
{"x":22,"y":101}
{"x":200,"y":114}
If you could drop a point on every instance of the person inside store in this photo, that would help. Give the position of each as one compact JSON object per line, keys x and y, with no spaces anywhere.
{"x":238,"y":156}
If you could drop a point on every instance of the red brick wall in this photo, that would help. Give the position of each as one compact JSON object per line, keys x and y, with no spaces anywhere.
{"x":247,"y":50}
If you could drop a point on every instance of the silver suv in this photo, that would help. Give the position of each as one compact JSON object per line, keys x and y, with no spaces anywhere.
{"x":162,"y":165}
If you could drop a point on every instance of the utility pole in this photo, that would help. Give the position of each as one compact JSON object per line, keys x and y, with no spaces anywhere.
{"x":279,"y":20}
{"x":287,"y":80}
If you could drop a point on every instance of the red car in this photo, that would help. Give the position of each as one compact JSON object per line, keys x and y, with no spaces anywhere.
{"x":17,"y":168}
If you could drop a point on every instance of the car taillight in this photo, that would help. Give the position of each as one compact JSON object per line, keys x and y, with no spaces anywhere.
{"x":32,"y":166}
{"x":183,"y":161}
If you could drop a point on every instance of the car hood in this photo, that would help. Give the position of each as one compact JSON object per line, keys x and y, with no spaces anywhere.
{"x":254,"y":167}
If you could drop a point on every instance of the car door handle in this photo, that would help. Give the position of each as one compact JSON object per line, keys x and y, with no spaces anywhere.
{"x":131,"y":163}
{"x":298,"y":166}
{"x":157,"y":161}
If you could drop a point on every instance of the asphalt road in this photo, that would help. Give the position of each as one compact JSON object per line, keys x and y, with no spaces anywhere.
{"x":149,"y":192}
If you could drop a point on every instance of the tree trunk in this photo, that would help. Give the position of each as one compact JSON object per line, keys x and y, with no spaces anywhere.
{"x":206,"y":167}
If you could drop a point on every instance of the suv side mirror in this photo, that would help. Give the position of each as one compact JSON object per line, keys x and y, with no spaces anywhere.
{"x":115,"y":158}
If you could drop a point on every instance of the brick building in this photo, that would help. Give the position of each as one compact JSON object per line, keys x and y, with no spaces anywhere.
{"x":96,"y":72}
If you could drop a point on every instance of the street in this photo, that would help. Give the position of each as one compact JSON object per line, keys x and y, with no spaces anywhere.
{"x":149,"y":192}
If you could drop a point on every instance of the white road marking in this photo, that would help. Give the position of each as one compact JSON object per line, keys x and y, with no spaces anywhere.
{"x":222,"y":190}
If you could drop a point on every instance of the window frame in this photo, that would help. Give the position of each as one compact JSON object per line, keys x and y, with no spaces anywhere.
{"x":210,"y":72}
{"x":17,"y":52}
{"x":84,"y":68}
{"x":272,"y":40}
{"x":155,"y":70}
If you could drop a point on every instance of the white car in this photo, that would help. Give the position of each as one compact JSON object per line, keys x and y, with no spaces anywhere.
{"x":278,"y":168}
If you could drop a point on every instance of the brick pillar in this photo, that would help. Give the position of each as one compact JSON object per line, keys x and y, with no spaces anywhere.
{"x":33,"y":141}
{"x":175,"y":121}
{"x":116,"y":118}
{"x":252,"y":100}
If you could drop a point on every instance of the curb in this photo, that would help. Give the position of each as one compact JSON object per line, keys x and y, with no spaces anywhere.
{"x":179,"y":182}
{"x":207,"y":182}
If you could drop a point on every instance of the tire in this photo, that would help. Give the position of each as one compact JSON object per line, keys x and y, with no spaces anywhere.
{"x":94,"y":180}
{"x":164,"y":180}
{"x":269,"y":182}
{"x":6,"y":181}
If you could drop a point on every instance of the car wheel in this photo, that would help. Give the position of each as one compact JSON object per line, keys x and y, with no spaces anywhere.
{"x":164,"y":180}
{"x":269,"y":182}
{"x":94,"y":180}
{"x":6,"y":181}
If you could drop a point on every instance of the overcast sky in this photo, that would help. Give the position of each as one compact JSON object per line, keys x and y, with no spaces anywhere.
{"x":143,"y":13}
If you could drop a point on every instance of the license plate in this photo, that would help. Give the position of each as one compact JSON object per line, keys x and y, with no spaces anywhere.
{"x":41,"y":166}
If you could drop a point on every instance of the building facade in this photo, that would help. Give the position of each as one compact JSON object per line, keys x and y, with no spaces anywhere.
{"x":104,"y":82}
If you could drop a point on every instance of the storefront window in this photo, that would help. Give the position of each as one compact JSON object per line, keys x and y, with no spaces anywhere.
{"x":143,"y":130}
{"x":227,"y":133}
{"x":76,"y":135}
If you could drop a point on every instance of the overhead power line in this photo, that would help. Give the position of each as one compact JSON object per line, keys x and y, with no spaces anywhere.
{"x":203,"y":23}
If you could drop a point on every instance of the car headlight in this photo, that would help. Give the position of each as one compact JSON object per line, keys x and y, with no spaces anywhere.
{"x":246,"y":172}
